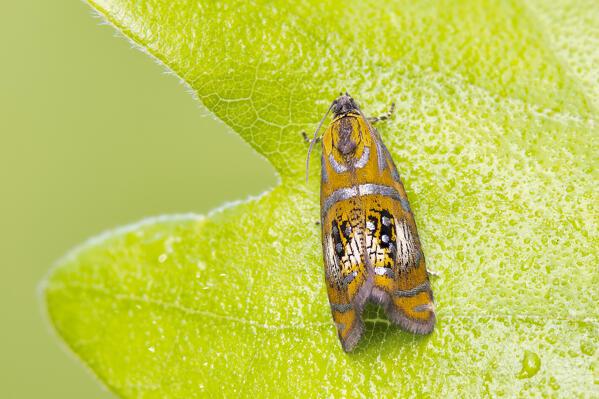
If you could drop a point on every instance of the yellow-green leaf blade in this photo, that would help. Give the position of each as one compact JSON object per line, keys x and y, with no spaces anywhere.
{"x":495,"y":136}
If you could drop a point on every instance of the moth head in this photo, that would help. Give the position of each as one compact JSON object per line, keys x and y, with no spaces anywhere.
{"x":344,"y":104}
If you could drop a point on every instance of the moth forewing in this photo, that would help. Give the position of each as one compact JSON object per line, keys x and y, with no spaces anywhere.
{"x":370,"y":243}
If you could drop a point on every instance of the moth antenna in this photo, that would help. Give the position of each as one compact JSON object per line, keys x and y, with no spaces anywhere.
{"x":316,"y":135}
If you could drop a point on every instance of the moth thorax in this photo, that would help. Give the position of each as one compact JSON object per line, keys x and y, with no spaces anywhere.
{"x":348,"y":139}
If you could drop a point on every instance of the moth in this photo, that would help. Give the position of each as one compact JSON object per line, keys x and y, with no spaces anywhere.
{"x":370,"y":243}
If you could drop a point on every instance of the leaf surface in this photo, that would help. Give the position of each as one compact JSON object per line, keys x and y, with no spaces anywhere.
{"x":495,"y":134}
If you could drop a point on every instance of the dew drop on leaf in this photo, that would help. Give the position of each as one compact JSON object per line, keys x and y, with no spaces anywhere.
{"x":531,"y":363}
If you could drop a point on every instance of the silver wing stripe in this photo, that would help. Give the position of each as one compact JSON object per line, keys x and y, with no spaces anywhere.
{"x":323,"y":170}
{"x":341,"y":308}
{"x":405,"y":205}
{"x":380,"y":155}
{"x":424,"y":287}
{"x":423,"y":308}
{"x":364,"y":158}
{"x":349,"y":278}
{"x":363,"y":189}
{"x":384,"y":271}
{"x":394,"y":173}
{"x":336,"y":166}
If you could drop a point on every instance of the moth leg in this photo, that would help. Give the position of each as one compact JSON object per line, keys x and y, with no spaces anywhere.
{"x":309,"y":141}
{"x":375,"y":119}
{"x":433,"y":273}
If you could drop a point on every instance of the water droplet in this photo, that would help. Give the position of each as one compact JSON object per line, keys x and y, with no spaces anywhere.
{"x":162,"y":258}
{"x":554,"y":384}
{"x":587,"y":348}
{"x":531,"y":363}
{"x":573,"y":353}
{"x":151,"y":349}
{"x":527,"y":264}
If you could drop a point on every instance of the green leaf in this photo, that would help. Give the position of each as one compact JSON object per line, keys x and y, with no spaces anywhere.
{"x":496,"y":136}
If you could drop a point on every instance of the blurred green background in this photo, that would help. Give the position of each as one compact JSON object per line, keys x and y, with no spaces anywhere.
{"x":94,"y":135}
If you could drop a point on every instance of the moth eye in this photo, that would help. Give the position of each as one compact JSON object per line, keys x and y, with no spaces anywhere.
{"x":386,"y":221}
{"x":339,"y":248}
{"x":335,"y":229}
{"x":385,"y":238}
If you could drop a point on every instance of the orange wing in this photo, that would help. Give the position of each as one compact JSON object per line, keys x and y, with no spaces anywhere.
{"x":349,"y":281}
{"x":401,"y":283}
{"x":349,"y":277}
